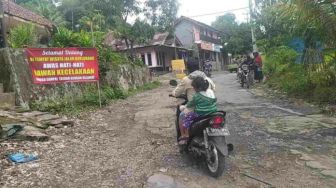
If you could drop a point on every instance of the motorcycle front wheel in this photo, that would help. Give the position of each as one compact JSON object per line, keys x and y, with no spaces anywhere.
{"x":242,"y":81}
{"x":247,"y":82}
{"x":216,"y":163}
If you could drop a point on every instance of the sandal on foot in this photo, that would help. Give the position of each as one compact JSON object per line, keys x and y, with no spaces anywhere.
{"x":183,"y":140}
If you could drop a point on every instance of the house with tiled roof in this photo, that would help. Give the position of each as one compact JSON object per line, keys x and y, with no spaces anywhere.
{"x":12,"y":14}
{"x":157,"y":53}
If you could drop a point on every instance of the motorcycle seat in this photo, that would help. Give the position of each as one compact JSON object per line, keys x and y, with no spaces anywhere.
{"x":200,"y":123}
{"x":209,"y":116}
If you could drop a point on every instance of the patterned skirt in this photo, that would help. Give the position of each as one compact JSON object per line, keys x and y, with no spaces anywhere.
{"x":189,"y":119}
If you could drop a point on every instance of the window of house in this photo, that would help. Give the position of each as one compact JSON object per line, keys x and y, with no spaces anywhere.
{"x":163,"y":58}
{"x":160,"y":57}
{"x":210,"y":34}
{"x":215,"y":36}
{"x":143,"y":58}
{"x":149,"y":59}
{"x":201,"y":31}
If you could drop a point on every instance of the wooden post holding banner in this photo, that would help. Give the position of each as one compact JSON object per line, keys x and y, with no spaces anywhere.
{"x":64,"y":65}
{"x":99,"y":94}
{"x":178,"y":68}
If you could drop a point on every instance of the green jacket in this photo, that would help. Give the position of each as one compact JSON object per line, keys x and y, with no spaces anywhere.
{"x":203,"y":105}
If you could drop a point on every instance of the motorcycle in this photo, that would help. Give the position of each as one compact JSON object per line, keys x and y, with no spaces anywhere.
{"x":207,"y":69}
{"x":207,"y":72}
{"x":245,"y":76}
{"x":207,"y":139}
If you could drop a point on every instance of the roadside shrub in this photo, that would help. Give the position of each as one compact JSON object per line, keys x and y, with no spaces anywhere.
{"x":63,"y":38}
{"x":324,"y":75}
{"x":279,"y":60}
{"x":315,"y":82}
{"x":293,"y":80}
{"x":23,"y":36}
{"x":67,"y":38}
{"x":89,"y":99}
{"x":325,"y":94}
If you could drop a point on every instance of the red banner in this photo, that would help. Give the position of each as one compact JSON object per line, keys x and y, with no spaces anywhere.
{"x":60,"y":65}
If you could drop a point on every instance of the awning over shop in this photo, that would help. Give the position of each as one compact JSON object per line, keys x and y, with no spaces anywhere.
{"x":210,"y":46}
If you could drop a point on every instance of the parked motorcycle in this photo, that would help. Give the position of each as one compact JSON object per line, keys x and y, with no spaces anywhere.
{"x":245,"y":76}
{"x":207,"y":139}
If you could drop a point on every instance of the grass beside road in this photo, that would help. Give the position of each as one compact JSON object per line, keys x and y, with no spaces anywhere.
{"x":73,"y":106}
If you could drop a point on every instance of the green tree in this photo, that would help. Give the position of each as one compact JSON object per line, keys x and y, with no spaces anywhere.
{"x":138,"y":33}
{"x":142,"y":32}
{"x":237,"y":36}
{"x":73,"y":10}
{"x":46,"y":9}
{"x":279,"y":21}
{"x":162,"y":14}
{"x":112,"y":10}
{"x":93,"y":22}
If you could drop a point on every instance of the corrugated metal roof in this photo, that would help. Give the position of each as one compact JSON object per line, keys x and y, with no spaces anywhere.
{"x":197,"y":23}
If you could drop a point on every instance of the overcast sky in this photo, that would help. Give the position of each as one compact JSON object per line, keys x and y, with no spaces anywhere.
{"x":200,"y":7}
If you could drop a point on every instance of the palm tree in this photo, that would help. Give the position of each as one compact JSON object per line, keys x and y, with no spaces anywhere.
{"x":95,"y":21}
{"x":319,"y":16}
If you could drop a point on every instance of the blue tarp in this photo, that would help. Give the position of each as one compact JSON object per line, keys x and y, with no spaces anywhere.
{"x":299,"y":46}
{"x":22,"y":158}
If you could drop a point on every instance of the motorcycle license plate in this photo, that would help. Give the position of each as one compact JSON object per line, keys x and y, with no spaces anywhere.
{"x":218,"y":132}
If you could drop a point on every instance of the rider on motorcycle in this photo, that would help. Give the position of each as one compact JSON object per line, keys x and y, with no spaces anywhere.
{"x":247,"y":61}
{"x":207,"y":66}
{"x":185,"y":88}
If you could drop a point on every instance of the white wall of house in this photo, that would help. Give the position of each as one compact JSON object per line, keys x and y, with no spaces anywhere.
{"x":169,"y":55}
{"x":145,"y":52}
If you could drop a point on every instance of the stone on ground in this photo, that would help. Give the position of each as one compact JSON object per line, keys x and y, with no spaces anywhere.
{"x":61,"y":121}
{"x":31,"y":134}
{"x":47,"y":117}
{"x":33,"y":114}
{"x":330,"y":173}
{"x":162,"y":181}
{"x":317,"y":165}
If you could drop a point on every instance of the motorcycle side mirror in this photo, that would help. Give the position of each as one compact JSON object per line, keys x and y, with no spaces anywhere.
{"x":173,"y":82}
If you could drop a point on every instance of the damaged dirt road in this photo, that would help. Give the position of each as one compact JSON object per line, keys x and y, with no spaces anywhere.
{"x":283,"y":143}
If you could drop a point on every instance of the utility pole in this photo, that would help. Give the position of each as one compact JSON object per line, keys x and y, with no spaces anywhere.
{"x":255,"y":48}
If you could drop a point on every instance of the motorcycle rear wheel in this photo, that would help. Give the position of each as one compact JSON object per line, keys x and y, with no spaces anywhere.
{"x":216,"y":164}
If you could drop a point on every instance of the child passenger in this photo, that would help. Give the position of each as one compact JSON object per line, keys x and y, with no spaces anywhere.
{"x":203,"y":103}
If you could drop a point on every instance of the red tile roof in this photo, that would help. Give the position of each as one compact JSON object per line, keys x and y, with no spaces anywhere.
{"x":14,"y":9}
